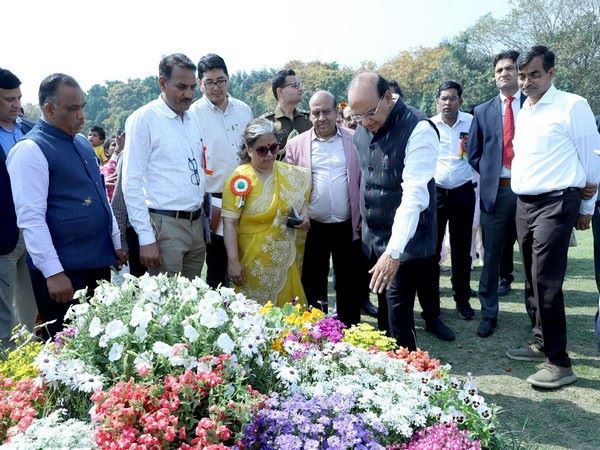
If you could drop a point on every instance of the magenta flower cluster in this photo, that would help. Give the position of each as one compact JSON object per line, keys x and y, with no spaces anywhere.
{"x":330,"y":329}
{"x":438,"y":437}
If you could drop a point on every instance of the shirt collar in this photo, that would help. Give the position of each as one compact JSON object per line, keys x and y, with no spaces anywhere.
{"x":517,"y":96}
{"x":214,"y":107}
{"x":17,"y":125}
{"x":279,"y":113}
{"x":549,"y":95}
{"x":331,"y":139}
{"x":167,"y":111}
{"x":437,"y":119}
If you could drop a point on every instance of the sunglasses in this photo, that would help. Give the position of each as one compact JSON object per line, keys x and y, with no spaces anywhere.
{"x":262,"y":151}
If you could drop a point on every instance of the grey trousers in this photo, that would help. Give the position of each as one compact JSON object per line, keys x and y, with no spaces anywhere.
{"x":182,"y":245}
{"x":17,"y":303}
{"x":496,"y":227}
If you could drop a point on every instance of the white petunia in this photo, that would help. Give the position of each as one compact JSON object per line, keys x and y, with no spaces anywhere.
{"x":103,"y":342}
{"x":140,"y":333}
{"x":225,"y":343}
{"x":141,"y":316}
{"x":95,"y":327}
{"x":115,"y":329}
{"x":212,"y":298}
{"x":190,"y":332}
{"x":214,"y":318}
{"x":143,"y":361}
{"x":116,"y":351}
{"x":162,"y":348}
{"x":147,"y":283}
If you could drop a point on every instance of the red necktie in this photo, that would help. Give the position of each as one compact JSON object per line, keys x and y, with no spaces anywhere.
{"x":508,"y":133}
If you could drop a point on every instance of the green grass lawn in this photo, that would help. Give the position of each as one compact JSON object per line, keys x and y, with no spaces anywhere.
{"x":530,"y":418}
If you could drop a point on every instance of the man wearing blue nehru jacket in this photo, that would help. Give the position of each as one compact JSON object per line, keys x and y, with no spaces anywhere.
{"x":61,"y":203}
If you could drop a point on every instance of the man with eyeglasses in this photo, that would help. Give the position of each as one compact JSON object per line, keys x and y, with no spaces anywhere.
{"x":398,"y":147}
{"x":163,"y":174}
{"x":555,"y":177}
{"x":222,"y":122}
{"x":289,"y":121}
{"x":455,"y":190}
{"x":328,"y":152}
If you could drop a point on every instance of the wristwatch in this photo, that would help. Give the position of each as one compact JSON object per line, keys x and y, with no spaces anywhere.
{"x":394,"y":254}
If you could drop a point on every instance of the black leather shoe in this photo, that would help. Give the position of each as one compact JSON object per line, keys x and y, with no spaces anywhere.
{"x":503,"y":288}
{"x":465,"y":311}
{"x":369,"y":308}
{"x":439,"y":329}
{"x":486,"y":327}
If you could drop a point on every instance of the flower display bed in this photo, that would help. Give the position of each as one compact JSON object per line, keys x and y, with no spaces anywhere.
{"x":164,"y":362}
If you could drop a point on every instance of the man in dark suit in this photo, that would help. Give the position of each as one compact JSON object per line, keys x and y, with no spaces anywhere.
{"x":490,"y":154}
{"x":15,"y":284}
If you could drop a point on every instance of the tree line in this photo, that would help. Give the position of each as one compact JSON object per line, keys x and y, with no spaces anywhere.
{"x":570,"y":27}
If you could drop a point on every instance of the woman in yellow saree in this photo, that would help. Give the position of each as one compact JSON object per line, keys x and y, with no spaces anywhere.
{"x":258,"y":200}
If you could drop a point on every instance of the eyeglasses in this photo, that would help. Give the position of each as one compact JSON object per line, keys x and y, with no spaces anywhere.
{"x":210,"y":84}
{"x":360,"y":117}
{"x":193,"y":166}
{"x":295,"y":85}
{"x":262,"y":151}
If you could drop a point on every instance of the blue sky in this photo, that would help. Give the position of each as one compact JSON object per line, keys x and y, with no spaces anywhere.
{"x":103,"y":40}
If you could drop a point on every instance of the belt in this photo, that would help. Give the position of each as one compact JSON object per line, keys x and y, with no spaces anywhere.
{"x":187,"y":215}
{"x":469,"y":185}
{"x":217,"y":194}
{"x":504,"y":181}
{"x":558,"y":193}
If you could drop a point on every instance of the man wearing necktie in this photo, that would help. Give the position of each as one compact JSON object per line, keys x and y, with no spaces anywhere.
{"x":490,"y":154}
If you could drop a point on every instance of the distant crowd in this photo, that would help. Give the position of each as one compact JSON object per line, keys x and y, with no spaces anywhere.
{"x":370,"y":187}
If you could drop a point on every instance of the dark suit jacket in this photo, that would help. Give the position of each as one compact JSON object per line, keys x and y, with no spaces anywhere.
{"x":9,"y":232}
{"x":598,"y":123}
{"x":485,"y":149}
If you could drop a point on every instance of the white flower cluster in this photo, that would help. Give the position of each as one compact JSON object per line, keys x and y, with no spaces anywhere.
{"x":71,"y":372}
{"x":155,"y":321}
{"x":52,"y":433}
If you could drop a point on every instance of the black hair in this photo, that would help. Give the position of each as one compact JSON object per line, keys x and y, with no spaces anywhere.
{"x":279,"y":79}
{"x":211,"y":61}
{"x":382,"y":86}
{"x":165,"y":67}
{"x":450,"y":85}
{"x":49,"y":87}
{"x":8,"y":80}
{"x":506,"y":54}
{"x":537,"y":50}
{"x":100,"y":131}
{"x":395,"y":87}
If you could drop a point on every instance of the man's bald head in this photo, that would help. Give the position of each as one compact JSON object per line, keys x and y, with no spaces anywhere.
{"x":369,"y":96}
{"x":320,"y":96}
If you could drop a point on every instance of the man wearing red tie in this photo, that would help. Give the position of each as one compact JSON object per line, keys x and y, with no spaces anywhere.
{"x":490,"y":154}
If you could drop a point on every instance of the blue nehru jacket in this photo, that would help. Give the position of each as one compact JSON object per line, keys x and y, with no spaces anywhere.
{"x":78,"y":216}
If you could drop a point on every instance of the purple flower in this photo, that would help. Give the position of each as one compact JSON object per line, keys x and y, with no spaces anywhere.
{"x":439,"y":436}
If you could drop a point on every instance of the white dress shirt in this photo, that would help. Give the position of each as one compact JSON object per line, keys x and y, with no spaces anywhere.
{"x":554,"y":146}
{"x":516,"y":107}
{"x":222,"y":133}
{"x":329,"y":198}
{"x":162,"y":165}
{"x":453,"y":169}
{"x":419,"y":167}
{"x":29,"y":178}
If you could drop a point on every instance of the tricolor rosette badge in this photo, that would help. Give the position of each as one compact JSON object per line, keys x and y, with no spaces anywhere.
{"x":241,"y":186}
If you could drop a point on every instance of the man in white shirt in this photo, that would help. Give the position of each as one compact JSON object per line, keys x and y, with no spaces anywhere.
{"x":554,"y":145}
{"x":397,"y":149}
{"x":222,"y":122}
{"x":334,"y":211}
{"x":490,"y":154}
{"x":163,"y":175}
{"x":455,"y":191}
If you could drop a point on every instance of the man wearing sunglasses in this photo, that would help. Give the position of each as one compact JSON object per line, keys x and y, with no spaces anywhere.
{"x":327,"y":150}
{"x":163,"y":176}
{"x":222,"y":122}
{"x":398,"y":149}
{"x":289,"y":121}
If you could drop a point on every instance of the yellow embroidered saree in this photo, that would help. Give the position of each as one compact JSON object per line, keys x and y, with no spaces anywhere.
{"x":268,"y":249}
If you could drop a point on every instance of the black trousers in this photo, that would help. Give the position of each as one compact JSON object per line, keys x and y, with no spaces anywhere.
{"x":216,"y":262}
{"x":136,"y":268}
{"x":396,"y":304}
{"x":325,"y":240}
{"x":507,"y":258}
{"x":456,"y":207}
{"x":544,"y":224}
{"x":51,"y":310}
{"x":498,"y":228}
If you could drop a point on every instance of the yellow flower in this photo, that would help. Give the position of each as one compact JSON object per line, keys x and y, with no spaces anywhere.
{"x":266,"y":308}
